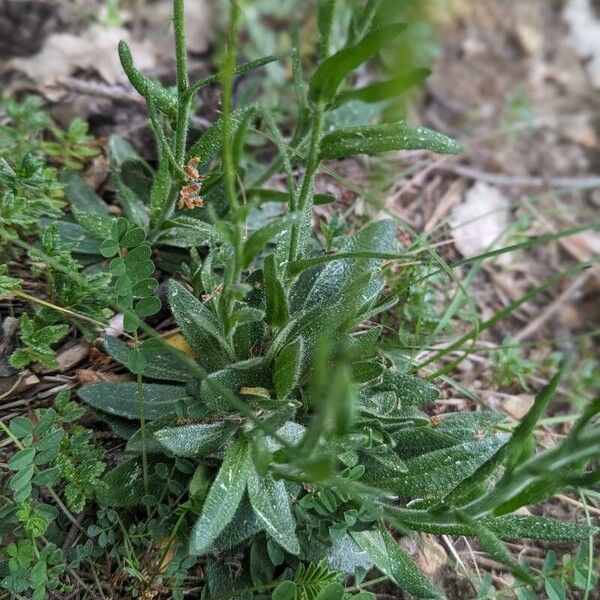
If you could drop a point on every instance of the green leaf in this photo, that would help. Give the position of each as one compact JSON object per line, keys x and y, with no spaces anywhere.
{"x":328,"y":282}
{"x":259,"y":239}
{"x":410,"y":390}
{"x":223,"y":498}
{"x":133,"y":237}
{"x":330,"y":73}
{"x":195,"y":440}
{"x":160,"y":192}
{"x":519,"y":447}
{"x":121,"y":399}
{"x":162,"y":360}
{"x":147,"y":306}
{"x":200,"y":327}
{"x":21,"y":479}
{"x":375,"y":139}
{"x":8,"y":285}
{"x":286,"y":590}
{"x":47,"y":476}
{"x":165,"y":100}
{"x":238,"y":70}
{"x":109,"y":248}
{"x":248,"y":373}
{"x":271,"y":502}
{"x":266,"y":195}
{"x":521,"y":444}
{"x":244,"y":525}
{"x":555,"y":589}
{"x":288,"y":365}
{"x":394,"y":562}
{"x":496,"y":549}
{"x":125,"y":484}
{"x":187,"y":232}
{"x":73,"y":234}
{"x":537,"y":528}
{"x":383,"y":90}
{"x":81,"y":195}
{"x":21,"y":459}
{"x":433,"y":474}
{"x":332,"y":591}
{"x":277,"y":310}
{"x":210,"y":143}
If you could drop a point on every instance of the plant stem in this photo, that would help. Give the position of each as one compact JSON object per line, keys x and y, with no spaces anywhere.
{"x":60,"y":309}
{"x":306,"y":196}
{"x":183,"y":101}
{"x":140,"y":399}
{"x":233,"y":273}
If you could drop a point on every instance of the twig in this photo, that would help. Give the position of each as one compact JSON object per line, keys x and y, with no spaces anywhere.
{"x":576,"y":503}
{"x":551,"y":308}
{"x":503,"y":180}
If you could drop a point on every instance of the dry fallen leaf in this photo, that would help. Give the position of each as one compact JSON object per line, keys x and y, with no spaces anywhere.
{"x":432,"y":555}
{"x":93,"y":50}
{"x":518,"y":406}
{"x":480,"y":221}
{"x":584,"y":35}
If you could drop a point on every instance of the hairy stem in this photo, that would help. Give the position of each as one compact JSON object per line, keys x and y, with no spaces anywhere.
{"x":306,"y":196}
{"x":183,"y":100}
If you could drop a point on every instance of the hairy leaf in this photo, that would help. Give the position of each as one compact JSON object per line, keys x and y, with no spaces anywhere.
{"x":375,"y":139}
{"x":194,"y":440}
{"x":223,"y":498}
{"x":271,"y":502}
{"x":331,"y":72}
{"x":392,"y":560}
{"x":121,"y":399}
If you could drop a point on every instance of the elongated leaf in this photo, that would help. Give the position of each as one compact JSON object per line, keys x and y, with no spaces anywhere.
{"x":376,"y":237}
{"x":521,"y":444}
{"x":223,"y":498}
{"x":242,"y":527}
{"x":210,"y":143}
{"x":160,"y":191}
{"x":394,"y":562}
{"x":537,"y":528}
{"x":518,"y":448}
{"x":238,"y":70}
{"x":187,"y":232}
{"x":260,"y":238}
{"x":496,"y":549}
{"x":194,"y":440}
{"x":431,"y":475}
{"x":81,"y":196}
{"x":271,"y":503}
{"x":288,"y":365}
{"x":325,"y":16}
{"x":375,"y":139}
{"x":75,"y":235}
{"x":277,"y":309}
{"x":165,"y":100}
{"x":267,"y":195}
{"x":162,"y":360}
{"x":251,"y":373}
{"x":144,"y":438}
{"x":506,"y":527}
{"x":331,"y":72}
{"x":409,"y":389}
{"x":121,"y":399}
{"x":199,"y":325}
{"x":383,"y":90}
{"x":125,"y":484}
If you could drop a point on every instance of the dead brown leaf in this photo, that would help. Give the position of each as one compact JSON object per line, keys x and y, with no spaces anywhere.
{"x":94,"y":51}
